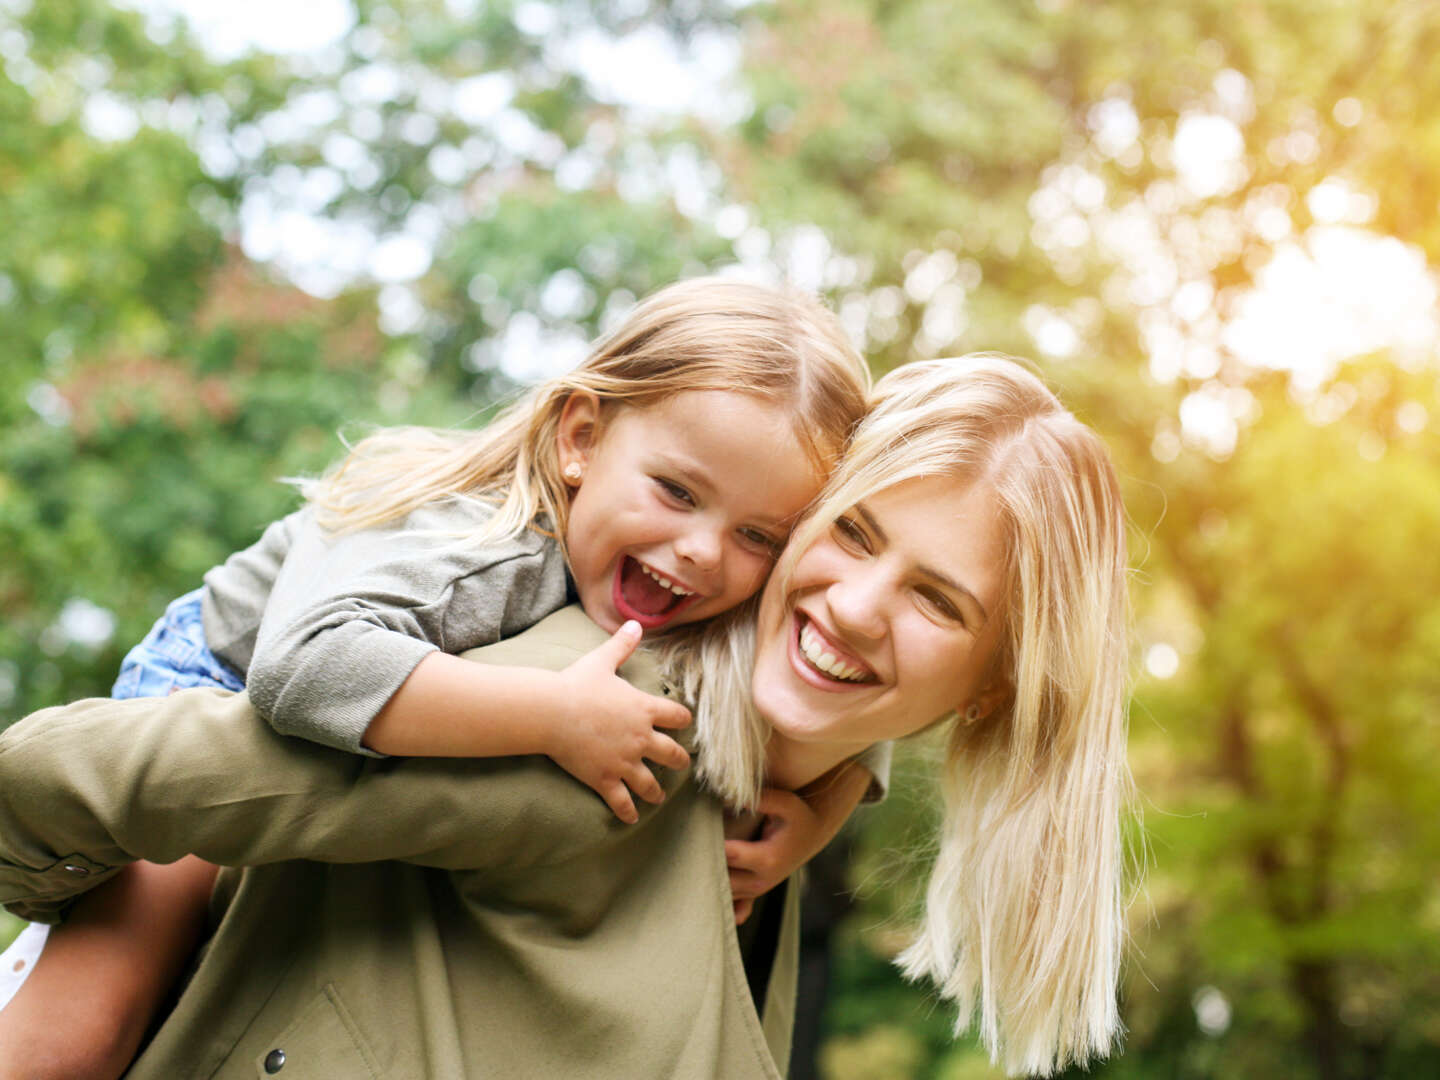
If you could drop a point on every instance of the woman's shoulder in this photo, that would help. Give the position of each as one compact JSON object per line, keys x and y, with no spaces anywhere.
{"x":562,"y":637}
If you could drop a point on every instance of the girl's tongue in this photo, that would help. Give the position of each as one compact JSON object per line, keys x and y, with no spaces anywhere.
{"x":642,"y":592}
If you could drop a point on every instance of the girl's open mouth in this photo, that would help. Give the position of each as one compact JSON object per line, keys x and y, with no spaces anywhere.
{"x":648,"y":597}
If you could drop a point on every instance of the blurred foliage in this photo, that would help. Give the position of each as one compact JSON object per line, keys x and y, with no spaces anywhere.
{"x":10,"y":926}
{"x":987,"y":174}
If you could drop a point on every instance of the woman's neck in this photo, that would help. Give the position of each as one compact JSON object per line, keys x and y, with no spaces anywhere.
{"x":791,"y":765}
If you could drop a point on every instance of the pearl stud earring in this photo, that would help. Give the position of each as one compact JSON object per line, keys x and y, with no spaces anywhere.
{"x":573,"y":472}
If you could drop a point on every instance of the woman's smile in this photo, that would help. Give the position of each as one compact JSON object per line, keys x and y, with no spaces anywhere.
{"x":821,"y":660}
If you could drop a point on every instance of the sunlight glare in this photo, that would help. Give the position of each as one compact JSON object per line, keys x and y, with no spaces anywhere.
{"x":228,"y":31}
{"x":1342,"y":293}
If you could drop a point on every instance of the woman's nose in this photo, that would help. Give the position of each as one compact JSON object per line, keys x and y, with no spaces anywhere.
{"x":858,"y":603}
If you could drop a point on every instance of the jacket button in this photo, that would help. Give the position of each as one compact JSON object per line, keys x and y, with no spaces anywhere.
{"x":275,"y":1060}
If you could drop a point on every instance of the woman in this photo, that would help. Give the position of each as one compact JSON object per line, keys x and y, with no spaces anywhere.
{"x":967,"y":562}
{"x":966,"y":565}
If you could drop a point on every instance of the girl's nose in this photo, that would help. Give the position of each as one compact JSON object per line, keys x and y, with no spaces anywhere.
{"x":701,"y":547}
{"x":858,"y":602}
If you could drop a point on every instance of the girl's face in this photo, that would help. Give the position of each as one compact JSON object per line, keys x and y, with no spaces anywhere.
{"x":890,"y":619}
{"x":681,"y":506}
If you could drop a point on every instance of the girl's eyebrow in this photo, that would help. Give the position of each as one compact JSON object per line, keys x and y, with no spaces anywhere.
{"x":685,"y":468}
{"x":925,"y":571}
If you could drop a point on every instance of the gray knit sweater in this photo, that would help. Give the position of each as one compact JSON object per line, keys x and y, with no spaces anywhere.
{"x":325,"y":628}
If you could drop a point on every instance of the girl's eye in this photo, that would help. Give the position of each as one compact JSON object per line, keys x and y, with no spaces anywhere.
{"x":675,"y":491}
{"x":850,"y":535}
{"x":763,"y":541}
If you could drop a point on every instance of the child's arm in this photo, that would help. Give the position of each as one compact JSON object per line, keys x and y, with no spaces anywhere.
{"x":592,"y":723}
{"x":794,"y":827}
{"x":104,"y":972}
{"x":98,"y":784}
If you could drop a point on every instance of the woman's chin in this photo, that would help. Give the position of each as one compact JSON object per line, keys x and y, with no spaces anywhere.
{"x":779,"y":705}
{"x":789,"y":715}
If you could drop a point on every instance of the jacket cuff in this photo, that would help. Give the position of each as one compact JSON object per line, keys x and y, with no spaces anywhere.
{"x":43,"y":895}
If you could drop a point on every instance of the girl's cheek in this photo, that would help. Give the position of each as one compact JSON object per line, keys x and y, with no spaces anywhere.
{"x":761,"y":565}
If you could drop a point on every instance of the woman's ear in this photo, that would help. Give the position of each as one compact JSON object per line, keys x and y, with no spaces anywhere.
{"x":577,"y":434}
{"x":991,"y":697}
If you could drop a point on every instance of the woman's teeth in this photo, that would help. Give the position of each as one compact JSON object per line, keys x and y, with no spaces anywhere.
{"x":813,"y":646}
{"x":665,"y":583}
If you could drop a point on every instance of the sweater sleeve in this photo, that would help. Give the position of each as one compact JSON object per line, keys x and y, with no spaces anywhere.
{"x":89,"y":787}
{"x":351,"y":615}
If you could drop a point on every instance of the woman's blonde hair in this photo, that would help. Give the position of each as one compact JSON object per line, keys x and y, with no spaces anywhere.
{"x":701,"y":334}
{"x":1023,"y":921}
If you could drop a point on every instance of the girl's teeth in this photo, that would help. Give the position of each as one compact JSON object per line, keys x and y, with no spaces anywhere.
{"x":814,"y":650}
{"x":665,"y":583}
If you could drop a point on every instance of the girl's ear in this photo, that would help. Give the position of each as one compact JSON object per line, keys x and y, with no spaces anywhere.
{"x":577,"y":434}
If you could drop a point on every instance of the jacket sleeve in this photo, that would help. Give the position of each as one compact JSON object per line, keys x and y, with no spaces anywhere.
{"x":89,"y":787}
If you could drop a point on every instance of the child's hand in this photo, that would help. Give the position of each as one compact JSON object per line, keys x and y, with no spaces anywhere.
{"x":609,"y":729}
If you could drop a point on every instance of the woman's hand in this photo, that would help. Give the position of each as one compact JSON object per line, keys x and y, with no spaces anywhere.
{"x":609,"y":728}
{"x":793,"y":829}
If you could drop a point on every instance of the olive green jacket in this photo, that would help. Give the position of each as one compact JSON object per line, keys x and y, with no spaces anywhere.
{"x":522,"y":931}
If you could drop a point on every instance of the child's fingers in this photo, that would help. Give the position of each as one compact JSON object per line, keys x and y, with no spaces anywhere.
{"x":665,"y":751}
{"x":668,"y":714}
{"x":643,"y":783}
{"x":617,"y":797}
{"x":617,"y":650}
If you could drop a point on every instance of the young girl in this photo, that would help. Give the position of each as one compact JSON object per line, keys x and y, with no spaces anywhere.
{"x":656,"y":482}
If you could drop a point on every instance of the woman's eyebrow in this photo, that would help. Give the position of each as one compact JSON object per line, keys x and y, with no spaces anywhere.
{"x":926,"y":571}
{"x":871,"y":523}
{"x":951,"y":583}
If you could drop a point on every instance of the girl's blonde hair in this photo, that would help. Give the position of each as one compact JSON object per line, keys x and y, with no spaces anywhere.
{"x":701,"y":334}
{"x":1023,"y":921}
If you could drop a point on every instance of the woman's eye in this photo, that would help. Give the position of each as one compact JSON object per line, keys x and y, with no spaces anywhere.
{"x":675,"y":491}
{"x":765,"y":542}
{"x":939,"y":603}
{"x":850,"y":535}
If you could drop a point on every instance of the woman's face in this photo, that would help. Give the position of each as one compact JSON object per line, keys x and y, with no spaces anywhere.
{"x":890,"y":619}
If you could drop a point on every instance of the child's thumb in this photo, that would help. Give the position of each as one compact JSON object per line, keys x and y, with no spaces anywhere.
{"x":621,"y":644}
